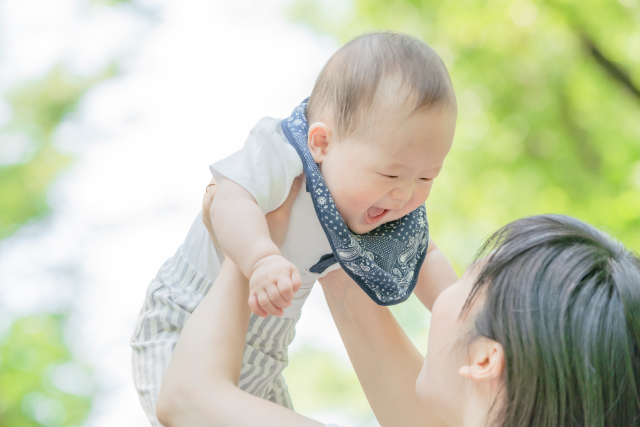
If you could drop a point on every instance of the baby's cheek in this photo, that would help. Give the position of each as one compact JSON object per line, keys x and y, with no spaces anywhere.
{"x":424,"y":194}
{"x":348,"y":200}
{"x":368,"y":196}
{"x":418,"y":199}
{"x":410,"y":207}
{"x":344,"y":206}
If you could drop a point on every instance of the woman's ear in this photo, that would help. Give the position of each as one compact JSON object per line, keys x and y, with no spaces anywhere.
{"x":320,"y":138}
{"x":486,"y":359}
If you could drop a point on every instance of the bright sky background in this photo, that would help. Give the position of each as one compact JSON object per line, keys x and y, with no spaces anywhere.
{"x":198,"y":74}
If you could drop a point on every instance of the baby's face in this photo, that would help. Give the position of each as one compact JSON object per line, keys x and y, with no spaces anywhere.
{"x":383,"y":172}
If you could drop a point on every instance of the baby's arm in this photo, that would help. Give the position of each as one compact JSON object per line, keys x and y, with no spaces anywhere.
{"x":240,"y":226}
{"x":436,"y":274}
{"x":243,"y":234}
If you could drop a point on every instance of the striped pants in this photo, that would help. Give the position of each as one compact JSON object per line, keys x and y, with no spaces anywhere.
{"x":171,"y":298}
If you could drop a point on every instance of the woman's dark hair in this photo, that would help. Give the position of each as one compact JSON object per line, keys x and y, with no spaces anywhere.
{"x":563,"y":300}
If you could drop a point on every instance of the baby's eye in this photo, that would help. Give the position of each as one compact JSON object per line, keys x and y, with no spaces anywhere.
{"x":388,"y":176}
{"x":426,"y":179}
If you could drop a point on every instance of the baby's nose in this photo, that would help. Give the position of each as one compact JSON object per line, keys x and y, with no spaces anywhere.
{"x":402,"y":194}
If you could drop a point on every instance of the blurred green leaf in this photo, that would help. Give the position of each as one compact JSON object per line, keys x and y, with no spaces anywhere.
{"x":34,"y":364}
{"x":319,"y":380}
{"x":40,"y":382}
{"x":37,"y":110}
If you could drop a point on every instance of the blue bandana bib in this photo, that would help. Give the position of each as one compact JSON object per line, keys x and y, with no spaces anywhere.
{"x":384,"y":262}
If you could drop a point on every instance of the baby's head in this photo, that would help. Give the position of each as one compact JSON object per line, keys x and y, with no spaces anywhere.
{"x":381,"y":119}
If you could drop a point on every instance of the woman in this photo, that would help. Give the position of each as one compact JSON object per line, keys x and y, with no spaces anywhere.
{"x":542,"y":330}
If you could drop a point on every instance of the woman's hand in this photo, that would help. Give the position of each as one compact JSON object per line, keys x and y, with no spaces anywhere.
{"x":209,"y":193}
{"x":278,"y":220}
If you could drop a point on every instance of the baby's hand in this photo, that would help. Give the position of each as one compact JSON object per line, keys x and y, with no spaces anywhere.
{"x":274,"y":281}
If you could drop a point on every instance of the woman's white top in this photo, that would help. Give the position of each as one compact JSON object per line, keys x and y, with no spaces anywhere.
{"x":266,"y":167}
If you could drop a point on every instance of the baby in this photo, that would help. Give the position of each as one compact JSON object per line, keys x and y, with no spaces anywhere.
{"x":376,"y":129}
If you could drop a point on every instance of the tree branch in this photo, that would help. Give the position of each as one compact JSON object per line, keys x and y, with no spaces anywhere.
{"x":613,"y":69}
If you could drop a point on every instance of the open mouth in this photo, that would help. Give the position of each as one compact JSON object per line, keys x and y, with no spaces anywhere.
{"x":374,"y":215}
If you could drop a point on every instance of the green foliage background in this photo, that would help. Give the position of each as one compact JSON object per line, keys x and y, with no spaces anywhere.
{"x":33,"y":347}
{"x":29,"y":355}
{"x":549,"y":119}
{"x":549,"y":108}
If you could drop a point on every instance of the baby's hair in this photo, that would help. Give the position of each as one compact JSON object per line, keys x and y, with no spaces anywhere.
{"x":351,"y":81}
{"x":563,"y":300}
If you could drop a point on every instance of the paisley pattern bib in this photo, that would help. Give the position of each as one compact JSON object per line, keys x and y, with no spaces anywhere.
{"x":384,"y":262}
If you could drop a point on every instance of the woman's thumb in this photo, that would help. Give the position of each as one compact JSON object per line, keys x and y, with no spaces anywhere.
{"x":297,"y":184}
{"x":295,"y":189}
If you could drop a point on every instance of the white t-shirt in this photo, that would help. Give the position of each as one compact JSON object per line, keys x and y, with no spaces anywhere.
{"x":266,"y":167}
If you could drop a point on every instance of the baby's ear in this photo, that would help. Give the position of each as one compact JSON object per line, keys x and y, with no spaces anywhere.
{"x":319,"y":140}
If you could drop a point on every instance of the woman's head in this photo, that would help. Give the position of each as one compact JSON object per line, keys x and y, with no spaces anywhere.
{"x":544,"y":330}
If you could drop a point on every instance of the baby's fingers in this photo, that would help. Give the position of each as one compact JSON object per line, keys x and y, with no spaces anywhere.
{"x":254,"y":305}
{"x":276,"y":298}
{"x":286,"y":289}
{"x":267,"y":305}
{"x":295,"y":279}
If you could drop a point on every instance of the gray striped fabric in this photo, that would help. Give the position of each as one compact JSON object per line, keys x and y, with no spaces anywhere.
{"x":171,"y":297}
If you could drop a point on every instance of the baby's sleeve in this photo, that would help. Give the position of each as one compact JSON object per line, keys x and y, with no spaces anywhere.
{"x":265,"y":166}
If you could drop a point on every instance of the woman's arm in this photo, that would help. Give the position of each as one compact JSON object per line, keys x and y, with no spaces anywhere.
{"x":436,"y":274}
{"x":200,"y":385}
{"x":384,"y":358}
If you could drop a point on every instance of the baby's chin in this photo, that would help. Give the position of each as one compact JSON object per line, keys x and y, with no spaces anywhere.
{"x":361,"y":227}
{"x":357,"y":226}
